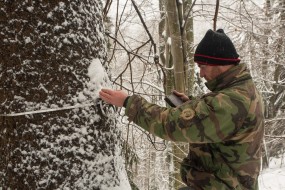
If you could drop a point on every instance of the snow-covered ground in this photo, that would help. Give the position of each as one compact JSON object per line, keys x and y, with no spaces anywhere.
{"x":273,"y":178}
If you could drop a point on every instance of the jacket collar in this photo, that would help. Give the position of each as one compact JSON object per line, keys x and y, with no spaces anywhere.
{"x":231,"y":77}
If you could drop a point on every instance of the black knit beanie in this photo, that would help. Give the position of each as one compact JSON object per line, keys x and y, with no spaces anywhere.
{"x":216,"y":48}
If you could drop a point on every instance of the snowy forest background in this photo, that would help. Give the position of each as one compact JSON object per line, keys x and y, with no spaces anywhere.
{"x":56,"y":55}
{"x":257,"y":28}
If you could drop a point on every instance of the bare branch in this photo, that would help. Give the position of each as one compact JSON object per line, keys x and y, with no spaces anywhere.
{"x":272,"y":136}
{"x":128,"y":51}
{"x":216,"y":14}
{"x":186,"y":19}
{"x":107,"y":8}
{"x":147,"y":31}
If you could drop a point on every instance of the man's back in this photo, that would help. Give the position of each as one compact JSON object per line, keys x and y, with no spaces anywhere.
{"x":234,"y":163}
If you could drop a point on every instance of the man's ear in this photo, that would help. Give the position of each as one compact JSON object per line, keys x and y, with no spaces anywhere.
{"x":224,"y":68}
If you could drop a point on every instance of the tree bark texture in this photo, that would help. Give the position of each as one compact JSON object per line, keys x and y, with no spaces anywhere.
{"x":46,"y":49}
{"x":176,"y":45}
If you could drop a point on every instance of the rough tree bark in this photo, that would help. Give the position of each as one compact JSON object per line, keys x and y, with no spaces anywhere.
{"x":46,"y":50}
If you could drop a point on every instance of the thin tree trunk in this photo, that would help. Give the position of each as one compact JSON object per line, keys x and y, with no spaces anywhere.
{"x":188,"y":50}
{"x":176,"y":45}
{"x":181,"y":55}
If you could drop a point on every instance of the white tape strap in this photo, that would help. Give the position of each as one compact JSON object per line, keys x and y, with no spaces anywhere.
{"x":47,"y":110}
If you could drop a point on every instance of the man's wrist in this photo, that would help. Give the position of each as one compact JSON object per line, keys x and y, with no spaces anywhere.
{"x":126,"y":101}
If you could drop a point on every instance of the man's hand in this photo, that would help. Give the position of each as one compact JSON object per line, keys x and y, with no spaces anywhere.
{"x":114,"y":97}
{"x":182,"y":96}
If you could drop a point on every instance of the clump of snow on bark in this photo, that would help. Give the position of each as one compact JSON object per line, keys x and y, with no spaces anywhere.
{"x":96,"y":72}
{"x":169,"y":41}
{"x":28,"y":40}
{"x":49,"y":15}
{"x":30,"y":9}
{"x":98,"y":77}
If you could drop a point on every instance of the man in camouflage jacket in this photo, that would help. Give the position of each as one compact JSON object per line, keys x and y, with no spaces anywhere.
{"x":224,"y":127}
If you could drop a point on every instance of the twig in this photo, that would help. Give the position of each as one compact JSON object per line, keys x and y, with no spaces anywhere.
{"x":145,"y":27}
{"x":107,"y":8}
{"x":274,"y":119}
{"x":186,"y":19}
{"x":216,"y":14}
{"x":273,"y":136}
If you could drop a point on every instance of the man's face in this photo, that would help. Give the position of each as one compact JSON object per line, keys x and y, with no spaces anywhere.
{"x":209,"y":72}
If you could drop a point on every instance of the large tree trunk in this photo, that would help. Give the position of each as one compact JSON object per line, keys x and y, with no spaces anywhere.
{"x":47,"y":48}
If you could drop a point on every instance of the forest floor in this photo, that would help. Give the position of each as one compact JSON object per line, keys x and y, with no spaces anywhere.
{"x":273,"y":178}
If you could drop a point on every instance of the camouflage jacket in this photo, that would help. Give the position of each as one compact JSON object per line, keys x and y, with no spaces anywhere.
{"x":224,"y":128}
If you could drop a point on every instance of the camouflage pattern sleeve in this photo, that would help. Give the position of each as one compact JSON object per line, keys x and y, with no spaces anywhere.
{"x":213,"y":118}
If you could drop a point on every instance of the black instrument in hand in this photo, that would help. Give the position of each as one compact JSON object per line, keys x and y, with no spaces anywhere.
{"x":173,"y":100}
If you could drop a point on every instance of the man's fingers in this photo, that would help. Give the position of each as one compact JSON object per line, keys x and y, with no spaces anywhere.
{"x":115,"y":97}
{"x":107,"y":91}
{"x":105,"y":96}
{"x":182,"y":96}
{"x":177,"y":93}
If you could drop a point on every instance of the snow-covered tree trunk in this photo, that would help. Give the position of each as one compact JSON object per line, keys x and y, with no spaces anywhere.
{"x":52,"y":65}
